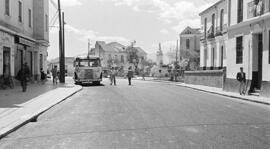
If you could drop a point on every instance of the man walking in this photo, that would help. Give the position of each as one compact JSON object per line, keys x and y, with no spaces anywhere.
{"x":241,"y":77}
{"x":129,"y":75}
{"x":54,"y":74}
{"x":24,"y":76}
{"x":113,"y":75}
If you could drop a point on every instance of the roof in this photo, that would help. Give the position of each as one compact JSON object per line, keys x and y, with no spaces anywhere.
{"x":212,"y":6}
{"x":140,"y":50}
{"x":117,"y":46}
{"x":189,"y":30}
{"x":104,"y":46}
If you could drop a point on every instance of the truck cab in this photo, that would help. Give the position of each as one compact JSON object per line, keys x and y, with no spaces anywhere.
{"x":87,"y":70}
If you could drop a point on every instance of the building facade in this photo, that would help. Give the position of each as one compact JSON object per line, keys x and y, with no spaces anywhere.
{"x":249,"y":44}
{"x":69,"y":65}
{"x":116,"y":55}
{"x":214,"y":25}
{"x":190,"y":47}
{"x":24,"y":36}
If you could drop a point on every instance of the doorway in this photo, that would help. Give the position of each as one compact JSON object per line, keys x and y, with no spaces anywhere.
{"x":257,"y":55}
{"x":6,"y":62}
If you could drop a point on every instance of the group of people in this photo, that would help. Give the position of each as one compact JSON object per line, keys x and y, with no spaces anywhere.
{"x":113,"y":74}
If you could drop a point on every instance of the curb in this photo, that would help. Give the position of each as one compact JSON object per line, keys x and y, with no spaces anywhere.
{"x":33,"y":117}
{"x":231,"y":96}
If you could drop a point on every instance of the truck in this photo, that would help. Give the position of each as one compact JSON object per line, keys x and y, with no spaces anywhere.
{"x":87,"y":70}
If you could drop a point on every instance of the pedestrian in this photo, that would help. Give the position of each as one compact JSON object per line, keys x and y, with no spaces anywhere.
{"x":113,"y":75}
{"x":24,"y":76}
{"x":129,"y":75}
{"x":241,"y":77}
{"x":42,"y":76}
{"x":54,"y":74}
{"x":143,"y":74}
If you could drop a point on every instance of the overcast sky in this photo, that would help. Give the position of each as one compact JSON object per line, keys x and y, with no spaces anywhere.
{"x":146,"y":21}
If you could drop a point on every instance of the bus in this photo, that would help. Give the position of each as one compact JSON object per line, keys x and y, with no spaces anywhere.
{"x":87,"y":70}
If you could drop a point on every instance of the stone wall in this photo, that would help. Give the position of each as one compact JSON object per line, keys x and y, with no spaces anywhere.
{"x":213,"y":78}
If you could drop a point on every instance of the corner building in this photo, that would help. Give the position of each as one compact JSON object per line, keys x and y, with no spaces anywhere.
{"x":249,"y":45}
{"x":24,"y":36}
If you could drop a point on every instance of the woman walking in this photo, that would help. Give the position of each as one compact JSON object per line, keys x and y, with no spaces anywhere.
{"x":129,"y":75}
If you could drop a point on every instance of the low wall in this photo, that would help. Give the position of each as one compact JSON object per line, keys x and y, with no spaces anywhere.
{"x":213,"y":78}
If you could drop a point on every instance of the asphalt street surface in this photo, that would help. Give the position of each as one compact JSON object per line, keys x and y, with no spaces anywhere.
{"x":146,"y":115}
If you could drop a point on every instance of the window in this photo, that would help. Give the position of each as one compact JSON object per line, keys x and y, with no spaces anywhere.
{"x":29,"y":18}
{"x":221,"y":56}
{"x":240,"y":11}
{"x":46,"y":23}
{"x":213,"y":23}
{"x":7,"y":11}
{"x":239,"y":50}
{"x":213,"y":57}
{"x":20,"y":11}
{"x":221,"y":19}
{"x":122,"y":59}
{"x":205,"y":27}
{"x":205,"y":56}
{"x":6,"y":61}
{"x":187,"y":43}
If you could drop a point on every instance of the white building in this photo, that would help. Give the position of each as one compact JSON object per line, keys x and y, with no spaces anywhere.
{"x":24,"y":36}
{"x":214,"y":23}
{"x":249,"y":44}
{"x":117,"y":55}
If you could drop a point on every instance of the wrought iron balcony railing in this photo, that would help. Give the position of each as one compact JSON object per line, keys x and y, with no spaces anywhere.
{"x":256,"y":8}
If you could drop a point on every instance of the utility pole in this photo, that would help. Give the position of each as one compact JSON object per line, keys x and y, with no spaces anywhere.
{"x":63,"y":49}
{"x":61,"y":62}
{"x":176,"y":57}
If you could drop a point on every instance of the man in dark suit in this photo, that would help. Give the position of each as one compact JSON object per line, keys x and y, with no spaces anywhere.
{"x":241,"y":77}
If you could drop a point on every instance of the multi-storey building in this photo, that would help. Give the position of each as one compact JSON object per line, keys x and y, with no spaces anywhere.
{"x":190,"y":47}
{"x":24,"y":36}
{"x":249,"y":44}
{"x":214,"y":23}
{"x":116,"y":54}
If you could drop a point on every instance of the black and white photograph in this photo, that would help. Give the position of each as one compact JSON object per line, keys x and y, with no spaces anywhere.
{"x":134,"y":74}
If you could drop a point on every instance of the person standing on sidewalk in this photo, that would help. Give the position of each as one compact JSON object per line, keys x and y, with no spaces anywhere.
{"x":24,"y":76}
{"x":129,"y":75}
{"x":54,"y":74}
{"x":42,"y":76}
{"x":241,"y":77}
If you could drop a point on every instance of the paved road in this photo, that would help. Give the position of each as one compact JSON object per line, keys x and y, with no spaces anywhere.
{"x":146,"y":115}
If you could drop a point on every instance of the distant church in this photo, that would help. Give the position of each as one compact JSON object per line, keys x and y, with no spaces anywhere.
{"x":159,"y":56}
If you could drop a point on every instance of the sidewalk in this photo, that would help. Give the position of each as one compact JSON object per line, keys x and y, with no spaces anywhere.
{"x":219,"y":91}
{"x":213,"y":90}
{"x":18,"y":108}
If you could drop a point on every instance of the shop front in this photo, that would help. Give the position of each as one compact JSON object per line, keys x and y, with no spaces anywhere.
{"x":26,"y":53}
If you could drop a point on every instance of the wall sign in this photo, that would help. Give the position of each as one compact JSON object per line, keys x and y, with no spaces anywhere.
{"x":23,"y":41}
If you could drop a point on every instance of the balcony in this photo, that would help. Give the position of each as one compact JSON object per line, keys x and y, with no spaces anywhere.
{"x":221,"y":30}
{"x":211,"y":33}
{"x":256,"y":8}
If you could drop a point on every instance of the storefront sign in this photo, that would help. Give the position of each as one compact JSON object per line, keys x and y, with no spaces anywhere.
{"x":24,"y":41}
